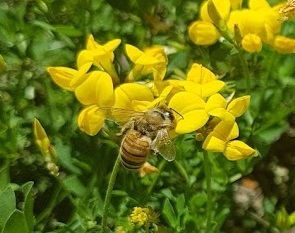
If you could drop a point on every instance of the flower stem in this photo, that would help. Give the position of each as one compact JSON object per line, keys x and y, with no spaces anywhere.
{"x":209,"y":191}
{"x":109,"y":193}
{"x":245,"y":68}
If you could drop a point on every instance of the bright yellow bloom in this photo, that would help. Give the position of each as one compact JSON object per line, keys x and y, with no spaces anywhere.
{"x":216,"y":106}
{"x":68,"y":78}
{"x":202,"y":81}
{"x":203,"y":33}
{"x":139,"y":216}
{"x":252,"y":43}
{"x":144,"y":216}
{"x":96,"y":89}
{"x":101,"y":56}
{"x":91,"y":119}
{"x":192,"y":112}
{"x":284,"y":44}
{"x":152,"y":60}
{"x":221,"y":140}
{"x":223,"y":7}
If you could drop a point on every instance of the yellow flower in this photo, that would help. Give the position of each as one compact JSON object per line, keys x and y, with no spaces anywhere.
{"x":191,"y":109}
{"x":152,"y":60}
{"x":101,"y":56}
{"x":216,"y":106}
{"x":91,"y":119}
{"x":202,"y":81}
{"x":139,"y":216}
{"x":284,"y":45}
{"x":144,"y":216}
{"x":221,"y":140}
{"x":96,"y":89}
{"x":222,"y":6}
{"x":68,"y":78}
{"x":97,"y":93}
{"x":203,"y":33}
{"x":252,"y":43}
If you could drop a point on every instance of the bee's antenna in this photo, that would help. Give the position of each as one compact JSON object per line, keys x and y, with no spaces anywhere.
{"x":176,"y":112}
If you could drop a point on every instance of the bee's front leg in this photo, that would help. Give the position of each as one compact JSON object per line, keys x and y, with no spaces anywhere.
{"x":128,"y":126}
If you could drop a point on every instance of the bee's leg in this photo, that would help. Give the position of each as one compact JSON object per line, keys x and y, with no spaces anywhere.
{"x":128,"y":126}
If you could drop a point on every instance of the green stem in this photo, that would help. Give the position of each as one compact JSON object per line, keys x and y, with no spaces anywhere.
{"x":109,"y":193}
{"x":207,"y":168}
{"x":161,"y":167}
{"x":245,"y":69}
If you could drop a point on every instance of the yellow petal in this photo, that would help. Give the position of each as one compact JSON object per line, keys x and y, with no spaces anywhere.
{"x":284,"y":45}
{"x":128,"y":92}
{"x":200,"y":74}
{"x":211,"y":88}
{"x":238,"y":106}
{"x":203,"y":33}
{"x":258,"y":4}
{"x":214,"y":144}
{"x":139,"y":57}
{"x":226,"y":131}
{"x":97,"y":89}
{"x":236,"y":150}
{"x":252,"y":43}
{"x":215,"y":101}
{"x":222,"y":6}
{"x":223,"y":114}
{"x":91,"y":120}
{"x":192,"y":87}
{"x":63,"y":76}
{"x":192,"y":110}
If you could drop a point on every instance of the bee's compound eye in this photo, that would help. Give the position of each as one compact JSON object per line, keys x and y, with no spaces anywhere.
{"x":169,"y":115}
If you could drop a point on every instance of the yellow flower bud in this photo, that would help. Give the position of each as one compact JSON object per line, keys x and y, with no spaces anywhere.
{"x":203,"y":33}
{"x":252,"y":43}
{"x":236,"y":150}
{"x":41,"y":137}
{"x":284,"y":44}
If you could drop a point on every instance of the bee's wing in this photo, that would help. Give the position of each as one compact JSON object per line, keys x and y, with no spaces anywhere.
{"x":163,"y":145}
{"x":121,"y":115}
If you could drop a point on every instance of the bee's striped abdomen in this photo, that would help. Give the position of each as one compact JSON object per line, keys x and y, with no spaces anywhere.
{"x":134,"y":150}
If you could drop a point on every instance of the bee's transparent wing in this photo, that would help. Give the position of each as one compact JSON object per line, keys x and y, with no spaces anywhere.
{"x":164,"y":146}
{"x":120,"y":115}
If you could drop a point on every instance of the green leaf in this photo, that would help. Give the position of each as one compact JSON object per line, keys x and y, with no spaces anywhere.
{"x":28,"y":204}
{"x":169,"y":214}
{"x":74,"y":185}
{"x":16,"y":223}
{"x":7,"y":205}
{"x":4,"y":176}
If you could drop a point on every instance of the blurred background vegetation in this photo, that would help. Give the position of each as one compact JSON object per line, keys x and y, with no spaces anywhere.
{"x":35,"y":34}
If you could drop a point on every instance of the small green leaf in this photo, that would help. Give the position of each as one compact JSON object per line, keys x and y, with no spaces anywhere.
{"x":4,"y":176}
{"x":28,"y":204}
{"x":7,"y":205}
{"x":169,"y":214}
{"x":16,"y":223}
{"x":74,"y":185}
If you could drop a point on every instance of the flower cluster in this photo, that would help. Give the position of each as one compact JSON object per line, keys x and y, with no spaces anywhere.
{"x":144,"y":216}
{"x":196,"y":99}
{"x":259,"y":23}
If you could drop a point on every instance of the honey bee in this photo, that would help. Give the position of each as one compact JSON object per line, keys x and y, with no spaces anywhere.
{"x":147,"y":132}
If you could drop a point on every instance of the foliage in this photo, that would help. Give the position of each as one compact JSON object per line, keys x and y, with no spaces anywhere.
{"x":36,"y":34}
